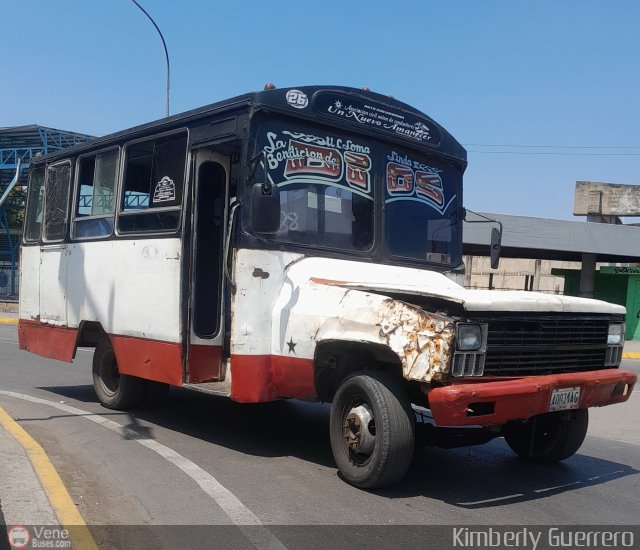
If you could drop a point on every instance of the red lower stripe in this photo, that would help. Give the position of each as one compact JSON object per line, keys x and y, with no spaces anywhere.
{"x":255,"y":378}
{"x":205,"y":363}
{"x":150,"y":359}
{"x":260,"y":378}
{"x":47,"y":340}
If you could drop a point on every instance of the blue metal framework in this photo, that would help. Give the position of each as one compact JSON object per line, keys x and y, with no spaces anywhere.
{"x":22,"y":143}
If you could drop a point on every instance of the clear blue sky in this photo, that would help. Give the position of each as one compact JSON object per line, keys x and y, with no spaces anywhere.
{"x":512,"y":72}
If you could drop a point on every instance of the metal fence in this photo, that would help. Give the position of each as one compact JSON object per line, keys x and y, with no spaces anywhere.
{"x":9,"y":283}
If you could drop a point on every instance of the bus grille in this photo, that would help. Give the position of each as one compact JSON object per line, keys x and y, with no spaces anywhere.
{"x":518,"y":346}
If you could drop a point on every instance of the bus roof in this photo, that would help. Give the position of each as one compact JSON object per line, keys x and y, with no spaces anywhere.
{"x":350,"y":108}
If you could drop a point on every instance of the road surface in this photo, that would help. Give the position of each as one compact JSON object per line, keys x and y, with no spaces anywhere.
{"x":214,"y":462}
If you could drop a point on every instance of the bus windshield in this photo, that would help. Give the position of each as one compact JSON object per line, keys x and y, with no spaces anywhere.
{"x":421,"y":208}
{"x":325,"y":183}
{"x":329,"y":182}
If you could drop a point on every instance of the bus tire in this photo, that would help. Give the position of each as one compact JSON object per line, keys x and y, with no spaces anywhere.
{"x":549,"y":437}
{"x":372,"y":430}
{"x":115,"y":390}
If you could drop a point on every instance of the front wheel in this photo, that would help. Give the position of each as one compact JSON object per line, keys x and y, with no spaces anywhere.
{"x":372,"y":430}
{"x":115,"y":390}
{"x":549,"y":437}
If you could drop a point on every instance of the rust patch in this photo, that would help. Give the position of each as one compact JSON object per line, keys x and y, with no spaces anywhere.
{"x":422,"y":340}
{"x":332,"y":282}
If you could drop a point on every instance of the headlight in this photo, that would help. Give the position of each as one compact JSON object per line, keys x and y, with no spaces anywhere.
{"x":615,"y":337}
{"x":469,"y":337}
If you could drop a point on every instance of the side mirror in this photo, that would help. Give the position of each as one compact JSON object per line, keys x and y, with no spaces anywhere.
{"x":265,"y":208}
{"x":496,"y":246}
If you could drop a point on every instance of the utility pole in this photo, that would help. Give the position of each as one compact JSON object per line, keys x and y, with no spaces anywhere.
{"x":166,"y":52}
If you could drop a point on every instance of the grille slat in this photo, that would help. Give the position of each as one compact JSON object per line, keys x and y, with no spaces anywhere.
{"x":518,"y":346}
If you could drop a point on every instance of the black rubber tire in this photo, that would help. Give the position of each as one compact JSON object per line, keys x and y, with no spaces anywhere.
{"x":115,"y":390}
{"x":549,"y":437}
{"x":394,"y":430}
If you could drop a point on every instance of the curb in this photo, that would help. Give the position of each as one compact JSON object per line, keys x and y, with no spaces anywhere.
{"x":8,"y":321}
{"x":53,"y":486}
{"x":630,"y":355}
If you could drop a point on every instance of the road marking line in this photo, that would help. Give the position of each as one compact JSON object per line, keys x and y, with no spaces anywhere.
{"x":8,"y":321}
{"x":61,"y":502}
{"x":630,"y":355}
{"x":238,"y":513}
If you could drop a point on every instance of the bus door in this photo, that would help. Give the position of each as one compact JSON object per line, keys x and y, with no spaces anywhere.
{"x":53,"y":252}
{"x":207,"y":332}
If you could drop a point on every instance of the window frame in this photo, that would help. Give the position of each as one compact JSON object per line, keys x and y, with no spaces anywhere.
{"x":76,"y":190}
{"x":43,"y":233}
{"x":28,"y":206}
{"x":180,"y":209}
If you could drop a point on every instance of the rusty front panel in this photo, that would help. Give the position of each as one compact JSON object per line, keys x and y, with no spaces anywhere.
{"x":422,"y":340}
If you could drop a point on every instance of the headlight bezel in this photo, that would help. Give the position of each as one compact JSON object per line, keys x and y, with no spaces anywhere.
{"x":480,"y":341}
{"x":615,"y":344}
{"x":615,"y":337}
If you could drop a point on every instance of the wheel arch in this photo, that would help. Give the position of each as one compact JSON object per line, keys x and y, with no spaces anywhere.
{"x":89,"y":334}
{"x":336,"y":359}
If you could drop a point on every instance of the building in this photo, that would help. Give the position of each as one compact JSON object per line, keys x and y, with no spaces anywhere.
{"x":589,"y":259}
{"x":517,"y":274}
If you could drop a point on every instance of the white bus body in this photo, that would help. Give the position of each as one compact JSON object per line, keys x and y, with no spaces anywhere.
{"x":303,"y":243}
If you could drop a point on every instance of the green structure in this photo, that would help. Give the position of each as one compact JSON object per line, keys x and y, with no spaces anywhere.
{"x":619,"y":285}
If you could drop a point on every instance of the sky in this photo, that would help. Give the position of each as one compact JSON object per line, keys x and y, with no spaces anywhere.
{"x":508,"y":78}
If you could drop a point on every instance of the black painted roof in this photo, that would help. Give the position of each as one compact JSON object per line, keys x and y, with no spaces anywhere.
{"x":320,"y":99}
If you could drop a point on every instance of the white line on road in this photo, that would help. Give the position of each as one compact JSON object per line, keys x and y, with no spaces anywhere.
{"x":15,"y":342}
{"x":238,"y":513}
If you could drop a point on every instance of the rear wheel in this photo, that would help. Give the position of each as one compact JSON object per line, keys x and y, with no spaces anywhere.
{"x":115,"y":390}
{"x":372,"y":430}
{"x":550,"y":437}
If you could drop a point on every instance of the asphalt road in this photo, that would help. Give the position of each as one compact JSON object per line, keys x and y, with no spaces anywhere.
{"x":275,"y":459}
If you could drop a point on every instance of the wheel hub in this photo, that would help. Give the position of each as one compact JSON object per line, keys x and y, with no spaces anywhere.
{"x":359,"y":430}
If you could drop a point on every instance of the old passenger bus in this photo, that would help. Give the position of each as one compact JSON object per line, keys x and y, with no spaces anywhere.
{"x":304,"y":243}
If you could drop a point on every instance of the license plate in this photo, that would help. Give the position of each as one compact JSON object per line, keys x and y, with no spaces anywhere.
{"x":565,"y":398}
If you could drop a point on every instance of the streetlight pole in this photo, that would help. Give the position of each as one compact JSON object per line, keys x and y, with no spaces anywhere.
{"x":166,"y":52}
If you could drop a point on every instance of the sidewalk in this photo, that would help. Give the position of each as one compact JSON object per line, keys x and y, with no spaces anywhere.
{"x":8,"y":307}
{"x":23,"y":500}
{"x":8,"y":317}
{"x":32,"y":496}
{"x":631,"y":350}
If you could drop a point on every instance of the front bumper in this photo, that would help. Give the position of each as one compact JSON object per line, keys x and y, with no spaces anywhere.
{"x":494,"y":403}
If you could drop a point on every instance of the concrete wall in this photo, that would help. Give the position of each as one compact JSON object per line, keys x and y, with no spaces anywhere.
{"x":516,"y":274}
{"x":608,"y":199}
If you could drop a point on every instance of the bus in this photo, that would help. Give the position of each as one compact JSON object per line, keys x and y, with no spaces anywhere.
{"x":304,"y":243}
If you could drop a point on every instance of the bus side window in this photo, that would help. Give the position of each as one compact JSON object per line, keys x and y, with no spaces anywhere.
{"x":56,"y":201}
{"x":153,"y":181}
{"x":96,"y":184}
{"x":33,"y":222}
